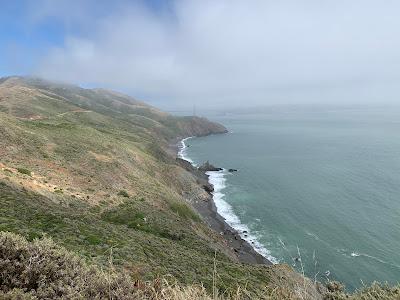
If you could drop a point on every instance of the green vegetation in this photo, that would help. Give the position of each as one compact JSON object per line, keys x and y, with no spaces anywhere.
{"x":97,"y":142}
{"x":184,"y":211}
{"x":160,"y":245}
{"x":24,"y":171}
{"x":43,"y":270}
{"x":123,"y":193}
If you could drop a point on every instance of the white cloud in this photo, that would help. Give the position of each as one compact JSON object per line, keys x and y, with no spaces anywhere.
{"x":237,"y":51}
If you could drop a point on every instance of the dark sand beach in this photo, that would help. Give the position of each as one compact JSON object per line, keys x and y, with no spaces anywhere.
{"x":207,"y":209}
{"x":244,"y":251}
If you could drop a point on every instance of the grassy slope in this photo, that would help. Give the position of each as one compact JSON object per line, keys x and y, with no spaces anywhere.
{"x":89,"y":169}
{"x":83,"y":147}
{"x":43,"y":270}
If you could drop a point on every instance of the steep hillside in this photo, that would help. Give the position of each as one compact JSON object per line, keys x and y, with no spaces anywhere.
{"x":32,"y":98}
{"x":91,"y":170}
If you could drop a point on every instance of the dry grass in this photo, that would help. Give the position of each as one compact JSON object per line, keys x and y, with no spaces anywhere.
{"x":44,"y":270}
{"x":78,"y":163}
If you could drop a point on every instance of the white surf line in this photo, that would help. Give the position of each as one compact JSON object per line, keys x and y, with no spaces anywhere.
{"x":224,"y":209}
{"x":182,"y":151}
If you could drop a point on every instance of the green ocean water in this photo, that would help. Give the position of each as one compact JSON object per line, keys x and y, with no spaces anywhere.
{"x":320,"y":185}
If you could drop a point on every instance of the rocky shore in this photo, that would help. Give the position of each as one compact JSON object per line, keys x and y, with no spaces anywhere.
{"x":207,"y":209}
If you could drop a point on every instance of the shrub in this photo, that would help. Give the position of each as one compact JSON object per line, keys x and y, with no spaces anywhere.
{"x":334,"y":286}
{"x":184,"y":211}
{"x":44,"y":270}
{"x":17,"y":294}
{"x":24,"y":171}
{"x":377,"y":291}
{"x":93,"y":240}
{"x":127,"y":214}
{"x":123,"y":193}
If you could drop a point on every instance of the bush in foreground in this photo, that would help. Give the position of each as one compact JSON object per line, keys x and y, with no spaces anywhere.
{"x":43,"y":270}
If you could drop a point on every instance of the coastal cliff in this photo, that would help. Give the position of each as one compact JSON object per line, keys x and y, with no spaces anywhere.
{"x":92,"y":196}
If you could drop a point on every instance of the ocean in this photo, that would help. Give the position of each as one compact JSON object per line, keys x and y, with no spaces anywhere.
{"x":317,"y":189}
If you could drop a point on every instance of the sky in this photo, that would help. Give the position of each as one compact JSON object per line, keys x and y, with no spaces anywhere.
{"x":211,"y":53}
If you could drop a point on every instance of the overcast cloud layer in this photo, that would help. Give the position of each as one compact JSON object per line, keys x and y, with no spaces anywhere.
{"x":225,"y":51}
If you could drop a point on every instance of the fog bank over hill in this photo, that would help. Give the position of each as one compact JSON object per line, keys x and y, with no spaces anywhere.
{"x":219,"y":53}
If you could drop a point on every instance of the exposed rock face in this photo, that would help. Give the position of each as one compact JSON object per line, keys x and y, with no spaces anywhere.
{"x":202,"y":178}
{"x":185,"y":164}
{"x":206,"y":167}
{"x":232,"y":170}
{"x":208,"y":187}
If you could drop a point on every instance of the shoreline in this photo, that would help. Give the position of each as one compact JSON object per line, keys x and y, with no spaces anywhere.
{"x":244,"y":250}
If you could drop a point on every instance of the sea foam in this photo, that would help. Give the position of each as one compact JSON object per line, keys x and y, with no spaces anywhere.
{"x":224,"y":209}
{"x":182,"y":151}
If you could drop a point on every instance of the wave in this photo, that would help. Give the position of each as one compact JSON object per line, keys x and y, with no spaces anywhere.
{"x":224,"y":209}
{"x":349,"y":253}
{"x":182,"y":153}
{"x":375,"y":258}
